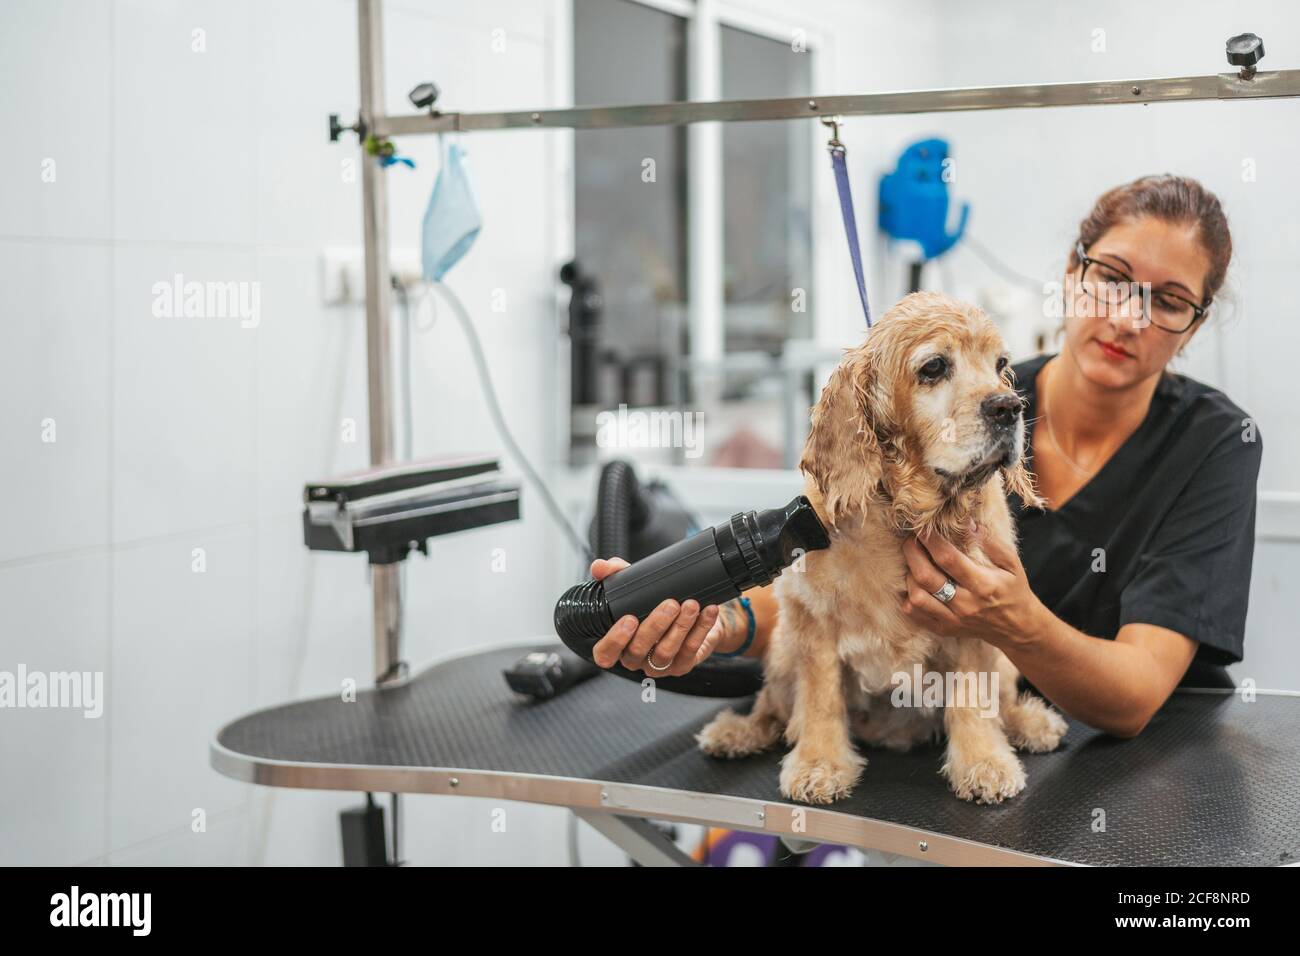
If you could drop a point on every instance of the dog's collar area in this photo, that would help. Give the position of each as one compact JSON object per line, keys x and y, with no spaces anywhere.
{"x":949,"y":518}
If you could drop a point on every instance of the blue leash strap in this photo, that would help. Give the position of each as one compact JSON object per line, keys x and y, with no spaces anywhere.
{"x":850,"y":221}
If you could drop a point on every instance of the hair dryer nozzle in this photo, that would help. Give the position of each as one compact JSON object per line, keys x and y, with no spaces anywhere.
{"x":802,"y":531}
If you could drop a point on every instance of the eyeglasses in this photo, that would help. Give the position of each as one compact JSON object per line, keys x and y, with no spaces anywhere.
{"x":1113,"y":288}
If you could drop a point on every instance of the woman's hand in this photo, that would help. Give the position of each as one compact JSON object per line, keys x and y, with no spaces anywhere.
{"x":994,"y":604}
{"x":675,"y":634}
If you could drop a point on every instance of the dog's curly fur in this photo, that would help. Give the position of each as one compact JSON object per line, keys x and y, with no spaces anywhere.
{"x":891,"y":453}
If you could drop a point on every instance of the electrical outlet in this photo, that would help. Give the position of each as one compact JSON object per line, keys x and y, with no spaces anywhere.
{"x":408,"y":266}
{"x":343,"y":273}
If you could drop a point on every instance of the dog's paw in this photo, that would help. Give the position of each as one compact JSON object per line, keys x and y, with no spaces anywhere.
{"x":732,"y":735}
{"x":1036,"y":728}
{"x":823,"y":780}
{"x":991,"y":779}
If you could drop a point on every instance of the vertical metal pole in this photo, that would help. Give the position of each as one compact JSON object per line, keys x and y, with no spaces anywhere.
{"x":386,"y":581}
{"x":707,"y":307}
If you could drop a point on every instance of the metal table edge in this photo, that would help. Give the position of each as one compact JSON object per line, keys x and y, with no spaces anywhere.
{"x":812,"y":823}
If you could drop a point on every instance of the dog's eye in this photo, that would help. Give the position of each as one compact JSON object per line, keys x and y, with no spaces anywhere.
{"x":934,"y":369}
{"x":1002,"y":363}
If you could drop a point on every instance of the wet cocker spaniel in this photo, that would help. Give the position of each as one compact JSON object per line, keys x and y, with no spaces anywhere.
{"x":918,"y":430}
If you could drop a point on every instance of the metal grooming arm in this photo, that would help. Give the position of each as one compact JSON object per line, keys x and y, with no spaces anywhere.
{"x":1245,"y":51}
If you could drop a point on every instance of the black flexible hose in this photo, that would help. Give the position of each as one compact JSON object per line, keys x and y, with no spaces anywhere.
{"x":620,"y":509}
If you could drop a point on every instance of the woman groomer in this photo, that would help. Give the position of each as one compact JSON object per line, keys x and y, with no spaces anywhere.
{"x":1141,"y":566}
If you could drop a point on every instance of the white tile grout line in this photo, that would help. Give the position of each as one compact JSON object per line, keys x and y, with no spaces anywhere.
{"x":254,"y":605}
{"x":110,"y":606}
{"x":158,"y":838}
{"x":254,"y":247}
{"x":134,"y":544}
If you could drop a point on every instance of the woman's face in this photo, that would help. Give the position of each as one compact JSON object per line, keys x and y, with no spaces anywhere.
{"x":1114,"y":344}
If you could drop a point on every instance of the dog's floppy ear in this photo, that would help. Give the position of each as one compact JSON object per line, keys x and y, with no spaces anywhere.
{"x":842,"y":454}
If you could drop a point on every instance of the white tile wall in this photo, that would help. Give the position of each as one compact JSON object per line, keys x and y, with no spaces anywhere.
{"x":57,"y":160}
{"x":54,"y":388}
{"x":181,"y":665}
{"x":224,"y":840}
{"x":185,"y":146}
{"x":53,"y":795}
{"x":309,"y":606}
{"x":304,"y":63}
{"x":176,"y":433}
{"x":183,"y":397}
{"x":311,"y":376}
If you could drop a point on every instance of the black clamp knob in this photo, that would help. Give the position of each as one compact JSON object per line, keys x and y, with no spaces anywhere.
{"x":337,"y":129}
{"x":1245,"y":50}
{"x":424,"y":96}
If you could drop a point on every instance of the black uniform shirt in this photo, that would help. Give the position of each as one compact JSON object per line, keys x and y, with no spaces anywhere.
{"x":1164,"y":533}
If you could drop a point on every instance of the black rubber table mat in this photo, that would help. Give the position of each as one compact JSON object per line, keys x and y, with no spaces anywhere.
{"x":1213,"y":780}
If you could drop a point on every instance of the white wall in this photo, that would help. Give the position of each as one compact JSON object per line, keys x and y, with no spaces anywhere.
{"x":176,"y":434}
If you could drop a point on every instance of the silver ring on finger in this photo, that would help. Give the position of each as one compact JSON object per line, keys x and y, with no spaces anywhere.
{"x":947,"y":592}
{"x":650,"y":659}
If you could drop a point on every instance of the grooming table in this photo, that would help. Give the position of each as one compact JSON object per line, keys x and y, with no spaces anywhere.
{"x":1213,"y":780}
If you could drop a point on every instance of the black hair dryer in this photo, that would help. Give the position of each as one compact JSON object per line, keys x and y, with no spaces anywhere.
{"x":712,"y":567}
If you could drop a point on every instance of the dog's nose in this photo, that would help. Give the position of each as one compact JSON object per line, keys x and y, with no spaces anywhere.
{"x":1001,"y":410}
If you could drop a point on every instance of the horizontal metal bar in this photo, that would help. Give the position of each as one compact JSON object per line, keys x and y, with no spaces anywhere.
{"x":1223,"y":86}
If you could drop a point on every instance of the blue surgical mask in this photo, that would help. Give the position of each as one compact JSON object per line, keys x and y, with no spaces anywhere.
{"x":452,"y":222}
